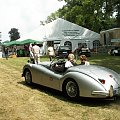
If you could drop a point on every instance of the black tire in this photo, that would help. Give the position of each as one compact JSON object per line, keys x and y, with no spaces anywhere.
{"x":70,"y":89}
{"x":28,"y":77}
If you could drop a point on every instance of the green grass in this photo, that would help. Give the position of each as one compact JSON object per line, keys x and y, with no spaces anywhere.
{"x":112,"y":62}
{"x":19,"y":100}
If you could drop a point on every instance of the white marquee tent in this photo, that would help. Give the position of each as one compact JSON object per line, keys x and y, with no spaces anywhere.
{"x":62,"y":30}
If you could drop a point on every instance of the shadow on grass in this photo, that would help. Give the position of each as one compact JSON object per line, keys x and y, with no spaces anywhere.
{"x":90,"y":102}
{"x":112,"y":62}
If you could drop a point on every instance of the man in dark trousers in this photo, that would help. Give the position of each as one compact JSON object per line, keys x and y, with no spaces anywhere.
{"x":6,"y":52}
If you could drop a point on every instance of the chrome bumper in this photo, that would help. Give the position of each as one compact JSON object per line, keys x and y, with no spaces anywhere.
{"x":110,"y":93}
{"x":100,"y":94}
{"x":116,"y":91}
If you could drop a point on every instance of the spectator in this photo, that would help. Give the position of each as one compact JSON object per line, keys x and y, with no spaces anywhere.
{"x":6,"y":52}
{"x":15,"y":50}
{"x":51,"y":52}
{"x":83,"y":60}
{"x":26,"y":49}
{"x":21,"y":52}
{"x":71,"y":61}
{"x":31,"y":53}
{"x":36,"y":53}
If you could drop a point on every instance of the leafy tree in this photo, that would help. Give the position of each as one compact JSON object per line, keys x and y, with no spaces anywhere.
{"x":116,"y":8}
{"x":14,"y":34}
{"x":95,"y":15}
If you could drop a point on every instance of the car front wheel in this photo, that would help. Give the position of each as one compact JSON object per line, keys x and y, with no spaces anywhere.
{"x":71,"y":89}
{"x":28,"y":77}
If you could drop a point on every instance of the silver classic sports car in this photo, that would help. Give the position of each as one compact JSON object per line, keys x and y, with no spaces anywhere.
{"x":86,"y":81}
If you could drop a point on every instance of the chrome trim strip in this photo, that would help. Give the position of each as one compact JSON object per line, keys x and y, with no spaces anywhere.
{"x":100,"y":93}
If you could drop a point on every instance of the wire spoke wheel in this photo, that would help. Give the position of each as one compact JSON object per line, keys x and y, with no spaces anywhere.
{"x":28,"y":77}
{"x":71,"y":89}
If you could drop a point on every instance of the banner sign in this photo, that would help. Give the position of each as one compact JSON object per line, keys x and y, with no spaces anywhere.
{"x":70,"y":32}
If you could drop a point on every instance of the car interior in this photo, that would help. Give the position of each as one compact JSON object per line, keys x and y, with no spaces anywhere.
{"x":59,"y":67}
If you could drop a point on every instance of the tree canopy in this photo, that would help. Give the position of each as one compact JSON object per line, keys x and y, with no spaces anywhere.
{"x":14,"y":34}
{"x":95,"y":15}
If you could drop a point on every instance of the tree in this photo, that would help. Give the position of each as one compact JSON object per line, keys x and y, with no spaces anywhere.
{"x":14,"y":34}
{"x":117,"y":10}
{"x":95,"y":15}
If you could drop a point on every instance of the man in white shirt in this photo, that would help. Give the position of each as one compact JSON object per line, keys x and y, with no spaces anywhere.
{"x":51,"y":52}
{"x":36,"y":53}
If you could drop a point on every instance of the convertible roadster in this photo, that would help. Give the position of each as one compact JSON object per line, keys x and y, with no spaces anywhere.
{"x":87,"y":81}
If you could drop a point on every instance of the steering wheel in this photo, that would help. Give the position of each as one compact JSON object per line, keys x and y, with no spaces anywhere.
{"x":57,"y":61}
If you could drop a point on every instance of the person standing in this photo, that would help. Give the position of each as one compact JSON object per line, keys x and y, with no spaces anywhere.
{"x":31,"y":53}
{"x":6,"y":52}
{"x":21,"y":52}
{"x":26,"y":49}
{"x":36,"y":53}
{"x":15,"y":50}
{"x":51,"y":52}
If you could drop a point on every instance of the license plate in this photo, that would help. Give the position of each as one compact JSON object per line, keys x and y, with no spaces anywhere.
{"x":64,"y":52}
{"x":117,"y":91}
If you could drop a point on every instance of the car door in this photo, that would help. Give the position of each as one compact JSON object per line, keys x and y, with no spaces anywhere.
{"x":46,"y":77}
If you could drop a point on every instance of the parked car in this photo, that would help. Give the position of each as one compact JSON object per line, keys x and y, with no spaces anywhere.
{"x":86,"y":81}
{"x":84,"y":51}
{"x":115,"y":51}
{"x":62,"y":51}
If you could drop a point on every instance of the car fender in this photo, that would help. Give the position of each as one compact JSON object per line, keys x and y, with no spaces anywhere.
{"x":86,"y":83}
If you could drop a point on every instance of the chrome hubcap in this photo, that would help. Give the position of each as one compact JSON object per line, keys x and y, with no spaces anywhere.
{"x":71,"y":89}
{"x":27,"y":77}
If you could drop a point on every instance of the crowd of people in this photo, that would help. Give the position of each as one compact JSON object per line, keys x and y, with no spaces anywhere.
{"x":18,"y":51}
{"x":34,"y":54}
{"x":34,"y":51}
{"x":6,"y":50}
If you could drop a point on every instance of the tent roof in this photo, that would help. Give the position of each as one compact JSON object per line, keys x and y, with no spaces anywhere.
{"x":66,"y":30}
{"x":60,"y":29}
{"x":11,"y":43}
{"x":16,"y":42}
{"x":28,"y":41}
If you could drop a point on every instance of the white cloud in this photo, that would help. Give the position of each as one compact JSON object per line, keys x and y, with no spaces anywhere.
{"x":24,"y":15}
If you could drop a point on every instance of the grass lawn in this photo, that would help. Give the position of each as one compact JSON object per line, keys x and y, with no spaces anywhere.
{"x":19,"y":101}
{"x":112,"y":62}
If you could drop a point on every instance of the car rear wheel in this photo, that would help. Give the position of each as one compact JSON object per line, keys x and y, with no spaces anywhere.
{"x":28,"y":77}
{"x":71,"y":89}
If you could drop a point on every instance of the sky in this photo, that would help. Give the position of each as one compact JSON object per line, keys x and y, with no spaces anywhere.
{"x":25,"y":15}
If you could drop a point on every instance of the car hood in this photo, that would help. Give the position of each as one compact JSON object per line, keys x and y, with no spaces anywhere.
{"x":97,"y":72}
